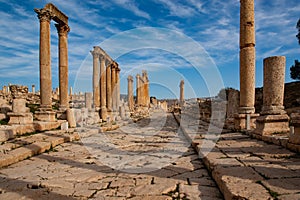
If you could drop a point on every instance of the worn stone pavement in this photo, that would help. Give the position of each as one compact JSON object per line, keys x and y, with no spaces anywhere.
{"x":243,"y":167}
{"x":150,"y":159}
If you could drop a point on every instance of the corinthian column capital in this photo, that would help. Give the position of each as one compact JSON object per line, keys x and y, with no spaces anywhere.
{"x":62,"y":29}
{"x":43,"y":14}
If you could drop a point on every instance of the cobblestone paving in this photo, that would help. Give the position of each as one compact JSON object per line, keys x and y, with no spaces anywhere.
{"x":145,"y":160}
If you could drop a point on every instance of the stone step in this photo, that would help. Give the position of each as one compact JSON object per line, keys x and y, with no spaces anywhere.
{"x":27,"y":146}
{"x":246,"y":168}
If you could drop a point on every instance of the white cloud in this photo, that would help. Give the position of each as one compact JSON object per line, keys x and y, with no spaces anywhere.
{"x":131,"y":6}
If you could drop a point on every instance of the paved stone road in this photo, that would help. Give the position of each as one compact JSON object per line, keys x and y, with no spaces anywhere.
{"x":145,"y":160}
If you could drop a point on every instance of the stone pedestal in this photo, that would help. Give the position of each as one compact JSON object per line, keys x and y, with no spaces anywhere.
{"x":44,"y":115}
{"x":20,"y":113}
{"x":272,"y":124}
{"x":71,"y":118}
{"x":240,"y":121}
{"x":273,"y":118}
{"x":295,"y":122}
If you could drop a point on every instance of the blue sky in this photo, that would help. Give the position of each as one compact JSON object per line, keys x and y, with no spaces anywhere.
{"x":194,"y":40}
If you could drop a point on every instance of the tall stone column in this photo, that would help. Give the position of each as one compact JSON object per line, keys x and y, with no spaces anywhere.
{"x":273,"y":117}
{"x":103,"y":110}
{"x":118,"y":95}
{"x":45,"y":60}
{"x":45,"y":112}
{"x":138,"y":90}
{"x":108,"y":89}
{"x":63,"y":31}
{"x":181,"y":100}
{"x":146,"y":97}
{"x":247,"y":66}
{"x":113,"y":88}
{"x":96,"y":78}
{"x":130,"y":93}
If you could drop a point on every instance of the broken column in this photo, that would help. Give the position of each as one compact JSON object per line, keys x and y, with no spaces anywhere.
{"x":181,"y":100}
{"x":130,"y":93}
{"x":96,"y":78}
{"x":247,"y":67}
{"x":103,"y":111}
{"x":88,"y":100}
{"x":33,"y":89}
{"x":20,"y":113}
{"x":273,"y":117}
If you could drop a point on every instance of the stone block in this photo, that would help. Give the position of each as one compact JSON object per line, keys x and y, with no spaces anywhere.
{"x":71,"y":118}
{"x":43,"y":126}
{"x":64,"y":126}
{"x":6,"y":133}
{"x":272,"y":124}
{"x":20,"y":118}
{"x":240,"y":121}
{"x":46,"y":116}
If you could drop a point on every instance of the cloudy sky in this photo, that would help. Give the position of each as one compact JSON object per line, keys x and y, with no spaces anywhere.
{"x":194,"y":40}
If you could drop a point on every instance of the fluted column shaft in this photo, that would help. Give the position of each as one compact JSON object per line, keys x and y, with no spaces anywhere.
{"x":45,"y":60}
{"x":181,"y":92}
{"x":118,"y":88}
{"x":96,"y":75}
{"x":130,"y":93}
{"x":108,"y":88}
{"x":103,"y":112}
{"x":113,"y":84}
{"x":63,"y":65}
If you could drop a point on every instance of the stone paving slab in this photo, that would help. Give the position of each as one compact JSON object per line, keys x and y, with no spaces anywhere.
{"x":72,"y":171}
{"x":247,"y":168}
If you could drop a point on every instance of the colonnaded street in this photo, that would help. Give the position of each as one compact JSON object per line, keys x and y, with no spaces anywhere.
{"x":150,"y":159}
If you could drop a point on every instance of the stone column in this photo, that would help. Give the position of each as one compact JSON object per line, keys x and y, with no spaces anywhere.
{"x":63,"y":31}
{"x":130,"y":93}
{"x":138,"y":90}
{"x":118,"y":95}
{"x":146,"y":89}
{"x":96,"y":89}
{"x":113,"y":83}
{"x":103,"y":110}
{"x":45,"y":112}
{"x":181,"y":100}
{"x":88,"y":100}
{"x":247,"y":66}
{"x":71,"y":91}
{"x":45,"y":60}
{"x":273,"y":118}
{"x":33,"y":89}
{"x":108,"y":89}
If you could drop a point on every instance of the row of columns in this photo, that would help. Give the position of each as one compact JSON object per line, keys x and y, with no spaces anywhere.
{"x":142,"y":91}
{"x":272,"y":118}
{"x":106,"y":83}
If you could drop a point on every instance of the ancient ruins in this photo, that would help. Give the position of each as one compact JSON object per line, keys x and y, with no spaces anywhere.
{"x":100,"y":144}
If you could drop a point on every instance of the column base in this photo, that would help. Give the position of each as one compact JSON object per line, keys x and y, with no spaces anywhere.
{"x":61,"y":114}
{"x":272,"y":124}
{"x":295,"y":122}
{"x":20,"y":118}
{"x":240,"y":121}
{"x":103,"y":114}
{"x":46,"y":116}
